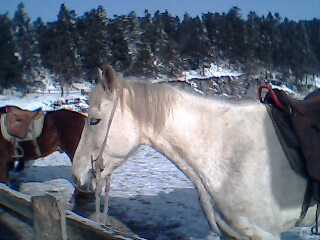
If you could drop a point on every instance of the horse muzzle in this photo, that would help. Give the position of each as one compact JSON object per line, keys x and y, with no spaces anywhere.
{"x":84,"y":186}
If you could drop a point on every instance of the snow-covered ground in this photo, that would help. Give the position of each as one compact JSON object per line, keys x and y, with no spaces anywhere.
{"x":148,"y":193}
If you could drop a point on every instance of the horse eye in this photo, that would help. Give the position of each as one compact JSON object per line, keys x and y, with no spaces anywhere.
{"x":94,"y":121}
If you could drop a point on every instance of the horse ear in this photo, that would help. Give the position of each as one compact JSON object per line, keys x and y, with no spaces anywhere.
{"x":106,"y":77}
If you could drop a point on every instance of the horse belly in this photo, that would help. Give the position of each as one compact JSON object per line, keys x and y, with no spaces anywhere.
{"x":253,"y":194}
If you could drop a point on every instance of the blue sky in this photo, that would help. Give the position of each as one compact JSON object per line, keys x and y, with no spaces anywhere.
{"x":48,"y":9}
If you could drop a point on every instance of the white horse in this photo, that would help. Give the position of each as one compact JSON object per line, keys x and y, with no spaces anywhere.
{"x":229,"y":150}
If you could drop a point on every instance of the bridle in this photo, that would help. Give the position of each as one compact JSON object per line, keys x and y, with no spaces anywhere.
{"x":98,"y":166}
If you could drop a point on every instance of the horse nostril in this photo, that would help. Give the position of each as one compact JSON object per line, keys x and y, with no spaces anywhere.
{"x":91,"y":188}
{"x":75,"y":180}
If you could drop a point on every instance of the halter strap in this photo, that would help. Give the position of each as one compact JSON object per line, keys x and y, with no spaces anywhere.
{"x":99,"y":159}
{"x":99,"y":167}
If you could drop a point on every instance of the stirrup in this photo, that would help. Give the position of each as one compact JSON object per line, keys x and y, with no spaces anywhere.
{"x":315,"y":229}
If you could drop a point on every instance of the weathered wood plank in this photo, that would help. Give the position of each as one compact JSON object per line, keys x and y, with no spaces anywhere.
{"x":48,"y":218}
{"x":73,"y":226}
{"x":85,"y":229}
{"x":15,"y":226}
{"x":16,"y":201}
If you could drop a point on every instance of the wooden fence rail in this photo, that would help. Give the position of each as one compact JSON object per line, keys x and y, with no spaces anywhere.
{"x":51,"y":222}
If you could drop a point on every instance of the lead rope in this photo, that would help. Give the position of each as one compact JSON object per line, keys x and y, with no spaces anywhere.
{"x":97,"y":172}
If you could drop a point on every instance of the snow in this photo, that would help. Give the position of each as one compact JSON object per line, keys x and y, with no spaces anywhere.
{"x":212,"y":71}
{"x":148,"y":193}
{"x":317,"y":81}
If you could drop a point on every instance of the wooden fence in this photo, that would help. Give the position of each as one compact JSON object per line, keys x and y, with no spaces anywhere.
{"x":51,"y":222}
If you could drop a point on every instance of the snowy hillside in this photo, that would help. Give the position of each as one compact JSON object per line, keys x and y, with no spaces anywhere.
{"x":148,"y":193}
{"x":48,"y":97}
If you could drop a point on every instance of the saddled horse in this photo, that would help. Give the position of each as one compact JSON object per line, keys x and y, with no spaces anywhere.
{"x":61,"y":131}
{"x":228,"y":149}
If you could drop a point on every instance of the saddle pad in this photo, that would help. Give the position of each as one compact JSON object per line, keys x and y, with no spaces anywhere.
{"x":34,"y":131}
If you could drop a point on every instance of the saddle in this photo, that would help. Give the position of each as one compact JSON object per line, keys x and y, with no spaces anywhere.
{"x":297,"y":124}
{"x":19,"y":123}
{"x":303,"y":118}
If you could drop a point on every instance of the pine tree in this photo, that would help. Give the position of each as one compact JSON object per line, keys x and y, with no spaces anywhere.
{"x":252,"y":34}
{"x":270,"y":37}
{"x":168,"y":60}
{"x":67,"y":66}
{"x":132,"y":33}
{"x":150,"y":31}
{"x":143,"y":63}
{"x":150,"y":46}
{"x":170,"y":25}
{"x":27,"y":47}
{"x":194,"y":41}
{"x":93,"y":43}
{"x":235,"y":30}
{"x":119,"y":48}
{"x":313,"y":33}
{"x":214,"y":27}
{"x":10,"y":66}
{"x":210,"y":22}
{"x":46,"y":34}
{"x":252,"y":41}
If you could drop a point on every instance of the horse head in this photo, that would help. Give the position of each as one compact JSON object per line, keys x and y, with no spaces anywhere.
{"x":109,"y":135}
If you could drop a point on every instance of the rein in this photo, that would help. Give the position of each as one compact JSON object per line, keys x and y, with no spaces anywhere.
{"x":96,"y":172}
{"x":307,"y":202}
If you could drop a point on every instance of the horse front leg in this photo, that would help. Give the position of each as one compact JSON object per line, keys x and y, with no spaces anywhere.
{"x":106,"y":200}
{"x":98,"y":198}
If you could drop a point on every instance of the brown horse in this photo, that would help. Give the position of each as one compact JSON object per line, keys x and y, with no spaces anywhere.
{"x":61,"y":132}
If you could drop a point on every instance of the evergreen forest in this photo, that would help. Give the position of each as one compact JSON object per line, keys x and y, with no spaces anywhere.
{"x":156,"y":44}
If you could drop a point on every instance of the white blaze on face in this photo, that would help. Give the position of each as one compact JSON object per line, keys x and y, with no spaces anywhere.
{"x":90,"y":144}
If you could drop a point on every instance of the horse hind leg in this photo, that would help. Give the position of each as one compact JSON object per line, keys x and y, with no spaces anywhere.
{"x":217,"y":224}
{"x":247,"y":232}
{"x":225,"y":230}
{"x":207,"y":208}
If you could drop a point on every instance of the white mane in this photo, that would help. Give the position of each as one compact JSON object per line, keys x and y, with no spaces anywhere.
{"x":150,"y":104}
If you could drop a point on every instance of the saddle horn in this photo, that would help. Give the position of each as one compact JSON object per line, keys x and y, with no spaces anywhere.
{"x":273,"y":96}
